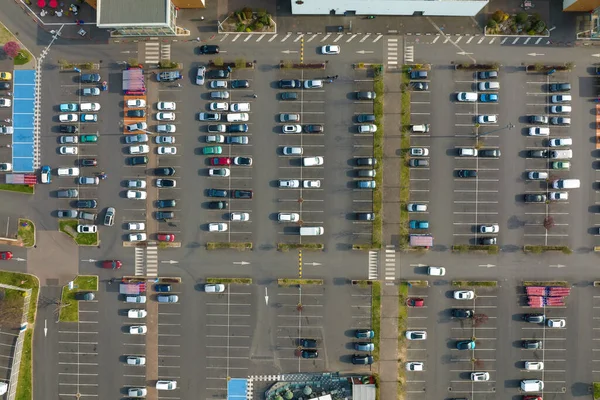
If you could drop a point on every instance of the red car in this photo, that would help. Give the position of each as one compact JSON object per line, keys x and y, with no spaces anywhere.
{"x":166,"y":237}
{"x":5,"y":255}
{"x":415,"y":302}
{"x":112,"y":264}
{"x":532,"y":397}
{"x":220,"y":161}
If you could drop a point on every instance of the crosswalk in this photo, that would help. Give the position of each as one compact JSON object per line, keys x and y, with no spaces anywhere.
{"x":482,"y":40}
{"x":139,"y":261}
{"x":308,"y":37}
{"x":152,"y":260}
{"x":390,"y":263}
{"x":409,"y":54}
{"x":392,"y":53}
{"x":156,"y":51}
{"x":372,"y":272}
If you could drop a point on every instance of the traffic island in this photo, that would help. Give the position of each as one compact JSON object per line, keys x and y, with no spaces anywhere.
{"x":542,"y":249}
{"x":69,"y":227}
{"x":546,"y":283}
{"x":27,"y":189}
{"x":303,"y":246}
{"x":377,"y":70}
{"x":285,"y":282}
{"x":475,"y":283}
{"x":229,"y":245}
{"x":26,"y":232}
{"x":226,"y":281}
{"x":404,"y":172}
{"x":466,"y":248}
{"x":69,"y":304}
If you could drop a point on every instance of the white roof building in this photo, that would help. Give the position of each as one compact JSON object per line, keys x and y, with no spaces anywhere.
{"x":450,"y":8}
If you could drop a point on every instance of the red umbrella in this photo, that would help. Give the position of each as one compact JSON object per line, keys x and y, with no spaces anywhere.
{"x":41,"y":3}
{"x":53,"y":3}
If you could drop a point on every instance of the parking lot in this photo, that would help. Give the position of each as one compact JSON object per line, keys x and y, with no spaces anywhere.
{"x":78,"y":366}
{"x":169,"y":343}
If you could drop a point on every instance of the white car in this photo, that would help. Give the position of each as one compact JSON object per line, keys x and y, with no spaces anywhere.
{"x":67,"y":117}
{"x":416,"y":335}
{"x":311,"y":184}
{"x":138,"y":329}
{"x":166,"y":385}
{"x":487,"y":119}
{"x":537,"y":175}
{"x":5,"y":167}
{"x":167,"y":150}
{"x":220,"y":172}
{"x":136,"y":194}
{"x":219,"y":106}
{"x":494,"y":228}
{"x":534,"y":365}
{"x":136,"y":183}
{"x":166,"y":106}
{"x":3,"y":388}
{"x":558,"y":196}
{"x":166,"y":128}
{"x":215,"y":139}
{"x":239,"y":216}
{"x":165,"y":116}
{"x":136,"y":360}
{"x":560,"y":142}
{"x":87,"y":228}
{"x":480,"y":376}
{"x":240,"y":107}
{"x":415,"y":366}
{"x":200,"y":73}
{"x":70,"y":150}
{"x":291,"y":128}
{"x":313,"y":84}
{"x":137,"y":392}
{"x":164,"y":139}
{"x":136,"y":226}
{"x":289,"y":183}
{"x":137,"y":237}
{"x":214,"y":288}
{"x":419,"y":151}
{"x":5,"y":102}
{"x":556,"y":323}
{"x":330,"y":49}
{"x":89,"y":107}
{"x":436,"y":271}
{"x":367,"y":128}
{"x":138,"y":126}
{"x":218,"y":85}
{"x":135,"y":313}
{"x":136,"y":103}
{"x":139,"y":149}
{"x":539,"y":131}
{"x":288,"y":217}
{"x":464,"y":294}
{"x":66,"y":171}
{"x":217,"y":227}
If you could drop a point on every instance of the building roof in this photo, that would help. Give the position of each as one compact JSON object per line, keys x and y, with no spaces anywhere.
{"x":363,"y":392}
{"x":124,"y":13}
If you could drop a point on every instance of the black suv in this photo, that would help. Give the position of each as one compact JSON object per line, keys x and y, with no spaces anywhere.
{"x":208,"y":49}
{"x":68,"y":129}
{"x":90,"y":78}
{"x":165,"y":171}
{"x":365,"y":118}
{"x":495,"y":153}
{"x":240,"y":84}
{"x":165,"y":215}
{"x":462,"y":313}
{"x":217,"y":205}
{"x":138,"y":160}
{"x":289,"y":96}
{"x":365,"y":95}
{"x":166,"y":203}
{"x":237,"y":128}
{"x":560,"y":87}
{"x":289,"y":83}
{"x":313,"y":128}
{"x":136,"y":113}
{"x":308,"y":343}
{"x":217,"y":73}
{"x":309,"y":353}
{"x":488,"y":241}
{"x":467,"y":173}
{"x":535,"y":198}
{"x":536,"y":153}
{"x":86,"y":204}
{"x":534,"y":318}
{"x":366,"y":161}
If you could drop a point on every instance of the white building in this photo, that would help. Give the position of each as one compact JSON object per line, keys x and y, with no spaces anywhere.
{"x":450,"y":8}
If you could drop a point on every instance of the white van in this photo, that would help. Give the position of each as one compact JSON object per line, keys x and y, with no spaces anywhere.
{"x":471,"y":97}
{"x":422,"y":128}
{"x":467,"y":152}
{"x":566,"y":184}
{"x":89,"y":107}
{"x":166,"y":385}
{"x":312,"y":161}
{"x":564,"y":154}
{"x":240,"y":107}
{"x":532,"y":385}
{"x":238,"y":117}
{"x":311,"y":230}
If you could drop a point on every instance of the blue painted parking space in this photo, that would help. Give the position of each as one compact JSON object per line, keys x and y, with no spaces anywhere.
{"x":236,"y":389}
{"x":23,"y":120}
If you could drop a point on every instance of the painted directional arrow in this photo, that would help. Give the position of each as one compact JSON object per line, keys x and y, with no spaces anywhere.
{"x":266,"y":297}
{"x":364,"y":52}
{"x":596,"y":55}
{"x":487,"y":265}
{"x":45,"y":327}
{"x":19,"y":259}
{"x":463,"y":53}
{"x":314,"y":264}
{"x":170,"y":262}
{"x":418,"y":265}
{"x":241,"y":262}
{"x":90,"y":260}
{"x":535,"y":54}
{"x":288,"y":51}
{"x":557,"y":266}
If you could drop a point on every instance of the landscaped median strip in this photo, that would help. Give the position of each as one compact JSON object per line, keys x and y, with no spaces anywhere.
{"x":378,"y":154}
{"x":242,"y":281}
{"x":541,"y":249}
{"x":596,"y":391}
{"x":69,"y":304}
{"x":298,"y":282}
{"x":404,"y":151}
{"x":546,"y":283}
{"x":26,"y":232}
{"x":402,"y":317}
{"x":69,"y":227}
{"x":229,"y":245}
{"x":475,"y":283}
{"x":303,"y":246}
{"x":17,"y":188}
{"x":464,"y":248}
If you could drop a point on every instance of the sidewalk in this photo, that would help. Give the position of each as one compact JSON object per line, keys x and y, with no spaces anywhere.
{"x":388,"y":342}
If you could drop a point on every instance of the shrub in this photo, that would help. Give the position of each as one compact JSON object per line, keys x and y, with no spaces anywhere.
{"x":538,"y":66}
{"x":531,"y":32}
{"x":239,"y":17}
{"x":265,"y":20}
{"x":218,"y":62}
{"x":539,"y":26}
{"x":521,"y":17}
{"x":133,"y":62}
{"x":498,"y":16}
{"x":240,"y":27}
{"x":247,"y":11}
{"x":11,"y":49}
{"x":258,"y":25}
{"x":492,"y":24}
{"x":248,"y":29}
{"x":240,"y":63}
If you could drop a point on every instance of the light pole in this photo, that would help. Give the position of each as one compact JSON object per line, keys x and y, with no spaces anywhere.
{"x":508,"y":126}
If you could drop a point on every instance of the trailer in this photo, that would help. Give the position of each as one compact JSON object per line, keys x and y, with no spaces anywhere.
{"x":134,"y":81}
{"x":132,"y":288}
{"x":421,"y":240}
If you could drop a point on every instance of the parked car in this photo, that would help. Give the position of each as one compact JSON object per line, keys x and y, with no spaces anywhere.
{"x":208,"y":49}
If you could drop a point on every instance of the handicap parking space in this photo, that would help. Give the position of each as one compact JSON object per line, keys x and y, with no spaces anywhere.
{"x":78,"y":354}
{"x":229,"y":333}
{"x":299,"y":316}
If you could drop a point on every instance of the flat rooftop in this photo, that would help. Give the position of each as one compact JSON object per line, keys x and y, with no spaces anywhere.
{"x":119,"y":13}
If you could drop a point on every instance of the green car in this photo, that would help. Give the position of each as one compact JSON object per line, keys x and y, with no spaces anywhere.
{"x":561,"y":165}
{"x":212,"y":150}
{"x":88,"y":138}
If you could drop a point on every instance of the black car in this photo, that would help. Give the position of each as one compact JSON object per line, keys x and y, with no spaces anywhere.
{"x":217,"y":74}
{"x":136,"y":113}
{"x":488,"y":241}
{"x":309,"y":353}
{"x":488,"y":74}
{"x":216,"y":193}
{"x":417,"y":74}
{"x":313,"y":128}
{"x":164,"y":171}
{"x":538,"y":119}
{"x":166,"y":203}
{"x":467,"y":173}
{"x":537,"y":154}
{"x":88,"y":162}
{"x":168,"y":76}
{"x":241,"y":194}
{"x":208,"y":49}
{"x":217,"y":205}
{"x":162,"y":183}
{"x":68,"y":129}
{"x":365,"y":216}
{"x":462,"y":313}
{"x":289,"y":83}
{"x":138,"y":160}
{"x":420,"y":86}
{"x":237,"y":128}
{"x":86,"y":204}
{"x":535,"y":198}
{"x":90,"y":78}
{"x":365,"y":95}
{"x":165,"y":215}
{"x":4,"y":86}
{"x":560,"y":87}
{"x":239,"y":84}
{"x":495,"y":153}
{"x":366,"y":161}
{"x":358,"y":359}
{"x":534,"y":318}
{"x":289,"y":96}
{"x":308,"y":343}
{"x":365,"y":118}
{"x":532,"y":344}
{"x":162,"y":287}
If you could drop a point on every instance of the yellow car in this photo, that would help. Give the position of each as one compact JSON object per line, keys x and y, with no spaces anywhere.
{"x":5,"y":76}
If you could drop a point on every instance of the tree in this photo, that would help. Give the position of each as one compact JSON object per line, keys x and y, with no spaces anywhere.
{"x":492,"y":24}
{"x":498,"y":16}
{"x":11,"y":49}
{"x":521,"y":17}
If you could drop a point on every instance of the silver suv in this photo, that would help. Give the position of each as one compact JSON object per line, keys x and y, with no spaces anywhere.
{"x":109,"y":217}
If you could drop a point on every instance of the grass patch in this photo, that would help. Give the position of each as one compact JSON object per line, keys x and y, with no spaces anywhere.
{"x":475,"y":283}
{"x":378,"y":154}
{"x":402,"y":318}
{"x":24,"y":387}
{"x":368,"y":246}
{"x":69,"y":311}
{"x":229,"y":245}
{"x":417,"y":283}
{"x":243,"y":281}
{"x":17,"y":188}
{"x":303,"y":246}
{"x":295,"y":282}
{"x":465,"y":248}
{"x":6,"y":35}
{"x":363,"y":283}
{"x":596,"y":386}
{"x":26,"y":233}
{"x":404,"y":149}
{"x":69,"y":226}
{"x":23,"y":57}
{"x":376,"y":316}
{"x":541,"y":249}
{"x":546,"y":283}
{"x":24,"y":281}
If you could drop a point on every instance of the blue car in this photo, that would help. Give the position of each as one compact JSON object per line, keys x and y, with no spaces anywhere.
{"x":488,"y":98}
{"x":364,"y":334}
{"x":45,"y":175}
{"x":69,"y":107}
{"x":465,"y":345}
{"x":88,"y":117}
{"x":414,"y":224}
{"x":162,"y":287}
